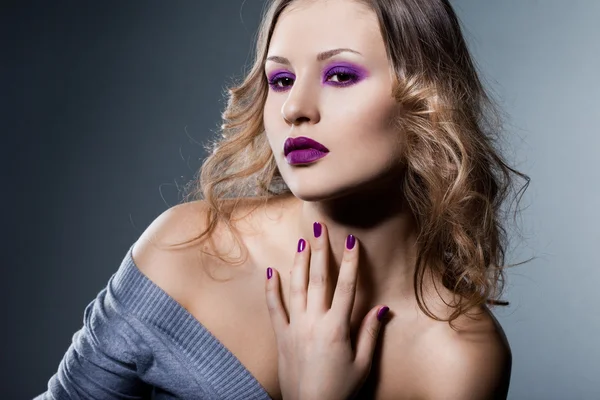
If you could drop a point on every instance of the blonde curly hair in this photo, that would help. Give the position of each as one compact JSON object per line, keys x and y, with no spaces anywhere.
{"x":455,"y":179}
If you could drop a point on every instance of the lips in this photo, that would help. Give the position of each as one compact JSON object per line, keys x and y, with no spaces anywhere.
{"x":302,"y":143}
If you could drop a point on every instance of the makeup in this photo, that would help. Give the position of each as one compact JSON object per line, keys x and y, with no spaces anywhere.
{"x":338,"y":74}
{"x":304,"y":156}
{"x":280,"y":80}
{"x":347,"y":74}
{"x":303,"y":150}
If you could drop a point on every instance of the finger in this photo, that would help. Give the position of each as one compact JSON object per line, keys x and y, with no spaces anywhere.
{"x":345,"y":290}
{"x":319,"y":292}
{"x":279,"y":318}
{"x":299,"y":280}
{"x":368,"y":335}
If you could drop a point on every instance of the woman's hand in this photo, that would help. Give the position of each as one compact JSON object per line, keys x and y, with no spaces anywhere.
{"x":316,"y":358}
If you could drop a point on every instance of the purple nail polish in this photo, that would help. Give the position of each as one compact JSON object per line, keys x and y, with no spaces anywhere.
{"x":317,"y":229}
{"x":269,"y":273}
{"x":381,"y":313}
{"x":350,"y":242}
{"x":301,"y":245}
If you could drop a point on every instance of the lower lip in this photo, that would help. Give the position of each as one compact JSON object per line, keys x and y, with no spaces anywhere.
{"x":304,"y":156}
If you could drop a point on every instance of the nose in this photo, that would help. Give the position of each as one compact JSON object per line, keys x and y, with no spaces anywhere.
{"x":301,"y":105}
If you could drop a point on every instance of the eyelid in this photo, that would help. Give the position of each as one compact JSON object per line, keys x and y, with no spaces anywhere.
{"x":279,"y":72}
{"x":358,"y":70}
{"x":331,"y":65}
{"x":358,"y":73}
{"x":339,"y":70}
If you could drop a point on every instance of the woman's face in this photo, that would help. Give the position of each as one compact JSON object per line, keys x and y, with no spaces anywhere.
{"x":330,"y":78}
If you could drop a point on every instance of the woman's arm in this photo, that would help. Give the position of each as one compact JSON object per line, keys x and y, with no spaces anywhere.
{"x":103,"y":359}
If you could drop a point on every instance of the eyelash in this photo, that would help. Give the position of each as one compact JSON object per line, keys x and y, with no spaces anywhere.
{"x":353,"y":78}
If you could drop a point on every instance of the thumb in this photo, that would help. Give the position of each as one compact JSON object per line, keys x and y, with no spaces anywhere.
{"x":368,"y":335}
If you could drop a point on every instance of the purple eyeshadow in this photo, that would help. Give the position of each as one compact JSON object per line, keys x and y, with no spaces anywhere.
{"x":354,"y":73}
{"x":276,"y":76}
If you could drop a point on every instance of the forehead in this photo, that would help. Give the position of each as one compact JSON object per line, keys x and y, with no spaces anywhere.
{"x":315,"y":25}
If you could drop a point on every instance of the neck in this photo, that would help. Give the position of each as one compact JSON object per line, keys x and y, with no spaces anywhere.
{"x":383,"y":224}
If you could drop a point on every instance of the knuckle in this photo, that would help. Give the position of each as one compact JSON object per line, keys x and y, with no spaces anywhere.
{"x":317,"y":280}
{"x":338,"y":333}
{"x":296,"y":291}
{"x":309,"y":335}
{"x":317,"y":244}
{"x":349,"y":256}
{"x":272,"y":306}
{"x":271,"y":295}
{"x":346,"y":287}
{"x":299,"y":260}
{"x":372,"y":331}
{"x":271,"y":289}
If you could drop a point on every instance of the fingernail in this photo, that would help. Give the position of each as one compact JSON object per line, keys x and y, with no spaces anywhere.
{"x":317,"y":229}
{"x":381,"y":313}
{"x":350,"y":242}
{"x":269,"y":273}
{"x":301,"y":245}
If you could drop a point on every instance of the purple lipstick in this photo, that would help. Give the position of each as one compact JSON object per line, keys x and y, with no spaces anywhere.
{"x":303,"y":150}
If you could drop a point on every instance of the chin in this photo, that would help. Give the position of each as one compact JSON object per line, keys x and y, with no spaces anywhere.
{"x":317,"y":191}
{"x":322,"y":183}
{"x":310,"y":190}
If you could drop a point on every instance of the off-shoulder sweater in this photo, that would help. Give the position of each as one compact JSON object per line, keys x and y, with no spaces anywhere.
{"x":137,"y":342}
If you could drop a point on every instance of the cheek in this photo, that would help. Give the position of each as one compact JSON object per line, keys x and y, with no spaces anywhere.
{"x":369,"y":104}
{"x":272,"y":120}
{"x":375,"y":144}
{"x":369,"y":121}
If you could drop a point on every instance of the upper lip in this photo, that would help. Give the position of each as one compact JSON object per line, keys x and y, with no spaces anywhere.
{"x":300,"y":143}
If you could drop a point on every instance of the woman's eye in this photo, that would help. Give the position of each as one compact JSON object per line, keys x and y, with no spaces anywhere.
{"x":341,"y":77}
{"x":281,"y":83}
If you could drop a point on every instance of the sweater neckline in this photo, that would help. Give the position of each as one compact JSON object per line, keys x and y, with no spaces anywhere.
{"x":152,"y":305}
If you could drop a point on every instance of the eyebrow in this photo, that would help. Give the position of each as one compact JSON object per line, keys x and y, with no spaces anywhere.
{"x":320,"y":57}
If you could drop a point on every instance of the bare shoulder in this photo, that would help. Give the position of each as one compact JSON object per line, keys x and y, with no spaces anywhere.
{"x":174,"y":226}
{"x":172,"y":253}
{"x":472,"y":362}
{"x":159,"y":253}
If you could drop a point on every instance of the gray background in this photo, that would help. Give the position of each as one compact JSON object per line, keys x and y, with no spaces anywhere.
{"x":105,"y":107}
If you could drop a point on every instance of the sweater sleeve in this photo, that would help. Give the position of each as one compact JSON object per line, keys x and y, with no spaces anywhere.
{"x":104,"y":358}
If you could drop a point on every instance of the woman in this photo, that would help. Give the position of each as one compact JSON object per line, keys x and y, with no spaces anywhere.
{"x":356,"y":169}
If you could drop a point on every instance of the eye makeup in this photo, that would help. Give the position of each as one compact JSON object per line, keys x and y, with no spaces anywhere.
{"x":353,"y":73}
{"x":347,"y":74}
{"x":278,"y":77}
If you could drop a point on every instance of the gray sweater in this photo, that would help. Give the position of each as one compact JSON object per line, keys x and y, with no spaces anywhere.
{"x":137,"y":342}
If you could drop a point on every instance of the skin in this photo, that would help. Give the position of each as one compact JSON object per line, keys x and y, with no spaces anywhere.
{"x":317,"y":359}
{"x":353,"y":190}
{"x":355,"y":123}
